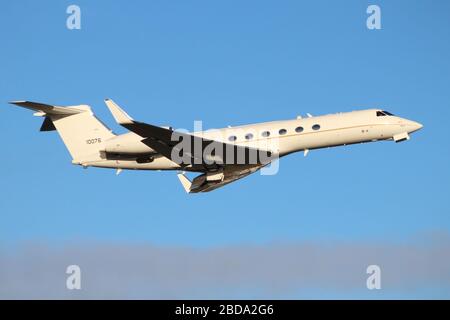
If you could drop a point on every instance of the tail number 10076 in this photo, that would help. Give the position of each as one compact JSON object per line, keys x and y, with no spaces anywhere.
{"x":93,"y":141}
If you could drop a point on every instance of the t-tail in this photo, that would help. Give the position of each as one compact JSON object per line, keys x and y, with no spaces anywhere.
{"x":83,"y":134}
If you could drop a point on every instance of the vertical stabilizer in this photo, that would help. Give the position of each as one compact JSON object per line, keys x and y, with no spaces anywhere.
{"x":83,"y":134}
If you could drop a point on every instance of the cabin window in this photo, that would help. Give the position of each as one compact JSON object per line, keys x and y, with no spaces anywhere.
{"x":299,"y":129}
{"x":265,"y":134}
{"x":316,"y":127}
{"x":249,"y":136}
{"x":282,"y":131}
{"x":232,"y":138}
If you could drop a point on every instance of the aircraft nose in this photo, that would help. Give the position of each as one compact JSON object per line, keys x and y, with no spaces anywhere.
{"x":414,"y":126}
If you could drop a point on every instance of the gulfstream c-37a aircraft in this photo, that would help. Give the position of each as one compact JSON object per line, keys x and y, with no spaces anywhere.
{"x":221,"y":156}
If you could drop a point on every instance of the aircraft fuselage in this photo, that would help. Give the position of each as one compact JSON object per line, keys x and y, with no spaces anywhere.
{"x":126,"y":151}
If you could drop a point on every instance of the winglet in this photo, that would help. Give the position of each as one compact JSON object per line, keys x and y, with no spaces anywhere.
{"x":119,"y":115}
{"x":185,"y":182}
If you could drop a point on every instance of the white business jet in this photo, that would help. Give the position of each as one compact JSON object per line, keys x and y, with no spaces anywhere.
{"x":221,"y":156}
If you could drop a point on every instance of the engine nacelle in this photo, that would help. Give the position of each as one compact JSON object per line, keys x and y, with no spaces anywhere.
{"x":128,"y":143}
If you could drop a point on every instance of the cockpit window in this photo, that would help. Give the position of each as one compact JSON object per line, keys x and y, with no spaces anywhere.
{"x":383,"y":113}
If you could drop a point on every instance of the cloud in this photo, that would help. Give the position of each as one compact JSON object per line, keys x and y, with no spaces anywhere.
{"x":135,"y":271}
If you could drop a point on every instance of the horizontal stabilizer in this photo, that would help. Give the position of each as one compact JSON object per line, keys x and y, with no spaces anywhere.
{"x":46,"y":109}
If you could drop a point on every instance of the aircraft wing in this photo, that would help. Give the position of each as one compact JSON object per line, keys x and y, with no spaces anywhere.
{"x":167,"y":142}
{"x":210,"y":181}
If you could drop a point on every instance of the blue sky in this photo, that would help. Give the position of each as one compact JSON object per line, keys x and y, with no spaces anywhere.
{"x":227,"y":62}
